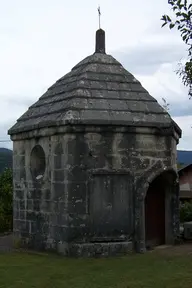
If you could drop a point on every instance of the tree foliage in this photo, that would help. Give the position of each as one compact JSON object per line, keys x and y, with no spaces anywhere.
{"x":6,"y":202}
{"x":185,"y":212}
{"x":182,"y":21}
{"x":180,"y":165}
{"x":6,"y":159}
{"x":165,"y":104}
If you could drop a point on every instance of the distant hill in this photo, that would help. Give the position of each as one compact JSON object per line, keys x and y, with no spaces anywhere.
{"x":183,"y":158}
{"x":5,"y":159}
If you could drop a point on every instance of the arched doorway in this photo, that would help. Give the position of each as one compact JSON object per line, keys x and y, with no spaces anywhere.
{"x":158,"y":213}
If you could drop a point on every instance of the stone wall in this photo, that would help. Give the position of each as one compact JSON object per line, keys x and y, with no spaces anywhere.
{"x":79,"y":198}
{"x":99,"y":163}
{"x":32,"y":198}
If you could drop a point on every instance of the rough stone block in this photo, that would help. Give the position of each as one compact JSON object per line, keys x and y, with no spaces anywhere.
{"x":58,"y":192}
{"x":59,"y":161}
{"x":77,"y":204}
{"x":45,"y":206}
{"x":19,"y":194}
{"x":77,"y":174}
{"x":59,"y":234}
{"x":63,"y":248}
{"x":30,"y":204}
{"x":100,"y":249}
{"x":58,"y":175}
{"x":77,"y":190}
{"x":47,"y":194}
{"x":36,"y":205}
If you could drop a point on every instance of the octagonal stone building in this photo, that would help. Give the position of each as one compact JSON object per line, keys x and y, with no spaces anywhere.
{"x":94,"y":164}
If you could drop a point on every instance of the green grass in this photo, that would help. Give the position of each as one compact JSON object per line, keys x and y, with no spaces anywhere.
{"x":148,"y":270}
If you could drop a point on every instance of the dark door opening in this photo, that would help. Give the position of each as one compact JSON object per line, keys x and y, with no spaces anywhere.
{"x":155,"y":214}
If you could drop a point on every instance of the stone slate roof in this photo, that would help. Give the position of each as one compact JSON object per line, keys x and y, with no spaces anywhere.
{"x":98,"y":90}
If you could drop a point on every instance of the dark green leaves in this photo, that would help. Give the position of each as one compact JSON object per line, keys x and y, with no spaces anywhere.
{"x":6,"y":200}
{"x":183,"y":23}
{"x":171,"y":25}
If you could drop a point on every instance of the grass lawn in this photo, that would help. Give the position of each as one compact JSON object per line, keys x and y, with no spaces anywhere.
{"x":149,"y":270}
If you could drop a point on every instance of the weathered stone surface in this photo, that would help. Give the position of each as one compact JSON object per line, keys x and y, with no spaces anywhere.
{"x":98,"y":249}
{"x":104,"y":140}
{"x":69,"y":208}
{"x":98,"y":90}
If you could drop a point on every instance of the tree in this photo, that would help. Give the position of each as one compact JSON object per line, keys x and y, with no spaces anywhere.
{"x":185,"y":212}
{"x":6,"y":200}
{"x":182,"y":21}
{"x":180,"y":165}
{"x":165,"y":104}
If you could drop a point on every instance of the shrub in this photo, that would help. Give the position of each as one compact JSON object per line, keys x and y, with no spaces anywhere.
{"x":186,"y":212}
{"x":6,"y":200}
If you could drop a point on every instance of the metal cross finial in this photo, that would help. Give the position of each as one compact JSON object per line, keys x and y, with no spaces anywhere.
{"x":99,"y":13}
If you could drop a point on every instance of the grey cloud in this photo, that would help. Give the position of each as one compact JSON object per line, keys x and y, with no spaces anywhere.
{"x":8,"y":145}
{"x":5,"y":140}
{"x":176,"y":109}
{"x":145,"y":59}
{"x":4,"y":137}
{"x":19,"y":100}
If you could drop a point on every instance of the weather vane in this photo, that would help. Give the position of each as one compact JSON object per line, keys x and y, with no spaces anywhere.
{"x":99,"y":13}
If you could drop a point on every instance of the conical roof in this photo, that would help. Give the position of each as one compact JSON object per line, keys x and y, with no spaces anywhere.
{"x":98,"y":90}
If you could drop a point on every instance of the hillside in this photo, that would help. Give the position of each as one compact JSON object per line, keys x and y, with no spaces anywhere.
{"x":5,"y":159}
{"x":183,"y":158}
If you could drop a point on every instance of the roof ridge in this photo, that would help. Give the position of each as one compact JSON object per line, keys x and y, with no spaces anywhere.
{"x":97,"y":58}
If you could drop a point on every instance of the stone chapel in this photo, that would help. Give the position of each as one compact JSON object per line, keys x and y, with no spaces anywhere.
{"x":94,"y":164}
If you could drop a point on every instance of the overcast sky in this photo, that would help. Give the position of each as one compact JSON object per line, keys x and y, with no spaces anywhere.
{"x":41,"y":40}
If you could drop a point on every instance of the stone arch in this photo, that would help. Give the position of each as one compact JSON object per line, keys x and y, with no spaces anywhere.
{"x":158,"y":207}
{"x":37,"y":162}
{"x":154,"y":174}
{"x":143,"y":186}
{"x":58,"y":155}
